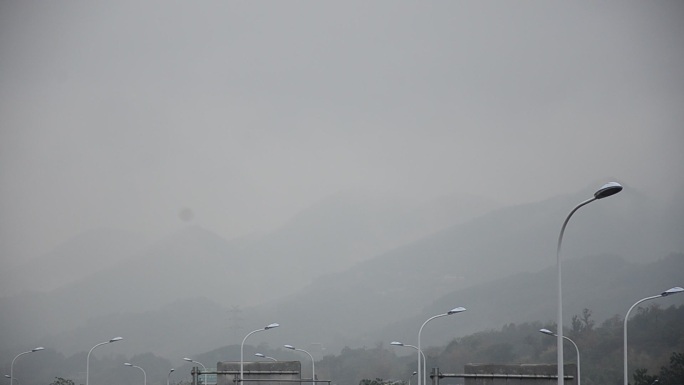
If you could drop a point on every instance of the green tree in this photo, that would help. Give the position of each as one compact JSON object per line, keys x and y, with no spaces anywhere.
{"x":641,"y":377}
{"x":673,"y":374}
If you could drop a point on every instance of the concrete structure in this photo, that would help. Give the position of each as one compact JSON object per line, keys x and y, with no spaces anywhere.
{"x":259,"y":373}
{"x":522,"y":374}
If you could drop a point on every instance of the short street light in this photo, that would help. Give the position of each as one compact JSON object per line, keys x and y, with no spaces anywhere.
{"x":11,"y":376}
{"x":397,"y":343}
{"x":199,"y":363}
{"x":313,"y":363}
{"x":450,"y":312}
{"x":667,"y":292}
{"x":605,"y":191}
{"x":168,"y":377}
{"x":263,"y":356}
{"x":549,"y":332}
{"x":242,"y":347}
{"x":143,"y":370}
{"x":93,"y":348}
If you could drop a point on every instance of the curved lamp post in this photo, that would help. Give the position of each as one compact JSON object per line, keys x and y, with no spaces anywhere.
{"x":168,"y":377}
{"x":605,"y":191}
{"x":313,"y":363}
{"x":397,"y":343}
{"x":91,"y":350}
{"x":264,"y":356}
{"x":671,"y":291}
{"x":549,"y":332}
{"x":11,"y":376}
{"x":450,"y":312}
{"x":409,"y":381}
{"x":143,"y":370}
{"x":242,"y":347}
{"x":199,"y":363}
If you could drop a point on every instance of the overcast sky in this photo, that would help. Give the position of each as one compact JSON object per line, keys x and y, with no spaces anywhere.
{"x":123,"y":113}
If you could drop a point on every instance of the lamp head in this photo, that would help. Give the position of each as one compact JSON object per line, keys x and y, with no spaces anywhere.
{"x":271,"y":326}
{"x":607,"y":190}
{"x":289,"y":347}
{"x":674,"y":290}
{"x":259,"y":355}
{"x":115,"y":339}
{"x":128,"y":364}
{"x":188,"y":359}
{"x":456,"y":310}
{"x":397,"y":343}
{"x":547,"y":331}
{"x":172,"y":370}
{"x":38,"y":349}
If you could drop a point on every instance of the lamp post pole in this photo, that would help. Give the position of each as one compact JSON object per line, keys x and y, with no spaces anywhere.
{"x":168,"y":377}
{"x":203,"y":367}
{"x":549,"y":332}
{"x":671,"y":291}
{"x":143,"y":370}
{"x":91,"y":350}
{"x":420,"y":351}
{"x":313,"y":362}
{"x":397,"y":343}
{"x":242,"y":347}
{"x":606,"y":190}
{"x":21,"y":354}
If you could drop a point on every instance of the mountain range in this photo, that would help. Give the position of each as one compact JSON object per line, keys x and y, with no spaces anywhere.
{"x":352,"y":272}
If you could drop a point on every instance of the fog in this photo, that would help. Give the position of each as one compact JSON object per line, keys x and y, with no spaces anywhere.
{"x":243,"y":114}
{"x":162,"y":151}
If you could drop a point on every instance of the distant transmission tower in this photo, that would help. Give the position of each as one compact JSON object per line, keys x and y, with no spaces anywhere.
{"x":235,"y":322}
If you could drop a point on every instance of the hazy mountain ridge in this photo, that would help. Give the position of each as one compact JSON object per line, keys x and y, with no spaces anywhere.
{"x":195,"y":262}
{"x":345,"y":308}
{"x":91,"y":251}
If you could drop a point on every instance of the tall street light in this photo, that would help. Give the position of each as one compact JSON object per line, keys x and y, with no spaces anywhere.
{"x":91,"y":350}
{"x":605,"y":191}
{"x":242,"y":347}
{"x":450,"y":312}
{"x":549,"y":332}
{"x":313,"y":363}
{"x":11,"y":377}
{"x":264,"y":356}
{"x":673,"y":290}
{"x":143,"y":370}
{"x":168,"y":376}
{"x":397,"y":343}
{"x":203,"y":367}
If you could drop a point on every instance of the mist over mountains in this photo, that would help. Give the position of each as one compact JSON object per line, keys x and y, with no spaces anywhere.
{"x":194,"y":291}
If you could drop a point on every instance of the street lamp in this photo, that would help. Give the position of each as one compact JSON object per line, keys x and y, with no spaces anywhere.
{"x":168,"y":377}
{"x":605,"y":191}
{"x":263,"y":356}
{"x":242,"y":347}
{"x":203,"y":367}
{"x":11,"y":377}
{"x":450,"y":312}
{"x":93,"y":348}
{"x":549,"y":332}
{"x":671,"y":291}
{"x":313,"y":363}
{"x":397,"y":343}
{"x":143,"y":370}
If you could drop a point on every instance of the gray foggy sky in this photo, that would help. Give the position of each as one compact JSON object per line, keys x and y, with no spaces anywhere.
{"x":123,"y":113}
